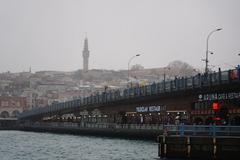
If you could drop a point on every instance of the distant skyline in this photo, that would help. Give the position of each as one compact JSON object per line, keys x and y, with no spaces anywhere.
{"x":49,"y":34}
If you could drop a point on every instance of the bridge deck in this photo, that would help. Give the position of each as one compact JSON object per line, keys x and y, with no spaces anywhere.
{"x":198,"y":82}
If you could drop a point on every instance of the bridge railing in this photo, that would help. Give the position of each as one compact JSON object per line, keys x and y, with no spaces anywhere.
{"x":207,"y":130}
{"x":177,"y":84}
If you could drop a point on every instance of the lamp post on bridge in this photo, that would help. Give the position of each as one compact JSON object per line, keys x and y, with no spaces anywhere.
{"x":137,"y":55}
{"x":207,"y":51}
{"x":164,"y":73}
{"x":164,"y":76}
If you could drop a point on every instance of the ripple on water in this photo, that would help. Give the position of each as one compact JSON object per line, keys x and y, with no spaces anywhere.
{"x":17,"y":145}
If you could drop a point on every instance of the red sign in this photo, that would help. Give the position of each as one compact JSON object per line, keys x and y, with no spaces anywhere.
{"x":215,"y":106}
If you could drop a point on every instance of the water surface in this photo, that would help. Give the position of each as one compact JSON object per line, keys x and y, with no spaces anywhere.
{"x":18,"y":145}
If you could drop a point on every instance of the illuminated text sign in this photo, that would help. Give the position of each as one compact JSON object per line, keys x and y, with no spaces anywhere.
{"x":150,"y":108}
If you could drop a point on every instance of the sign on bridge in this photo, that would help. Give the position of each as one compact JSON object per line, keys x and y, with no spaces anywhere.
{"x":151,"y":108}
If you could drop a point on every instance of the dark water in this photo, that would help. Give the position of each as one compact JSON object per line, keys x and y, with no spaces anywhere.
{"x":17,"y":145}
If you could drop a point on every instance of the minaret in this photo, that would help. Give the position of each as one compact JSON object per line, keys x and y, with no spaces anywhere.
{"x":85,"y":55}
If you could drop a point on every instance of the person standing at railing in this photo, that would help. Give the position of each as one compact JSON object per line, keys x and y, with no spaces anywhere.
{"x":141,"y":120}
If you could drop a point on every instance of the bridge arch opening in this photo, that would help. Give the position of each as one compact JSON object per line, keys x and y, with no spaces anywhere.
{"x":15,"y":113}
{"x":4,"y":114}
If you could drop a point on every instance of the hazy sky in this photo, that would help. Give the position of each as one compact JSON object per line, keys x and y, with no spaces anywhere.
{"x":49,"y":34}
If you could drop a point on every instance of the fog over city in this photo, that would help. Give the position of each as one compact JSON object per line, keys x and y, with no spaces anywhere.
{"x":119,"y":79}
{"x":49,"y":34}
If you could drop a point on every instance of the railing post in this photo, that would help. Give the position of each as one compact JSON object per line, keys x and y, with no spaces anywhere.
{"x":214,"y":130}
{"x":210,"y":79}
{"x":185,"y":83}
{"x":229,"y":76}
{"x":194,"y":129}
{"x":170,"y":85}
{"x":219,"y":76}
{"x":228,"y":130}
{"x":193,"y":85}
{"x":175,"y":84}
{"x":181,"y":129}
{"x":164,"y":86}
{"x":200,"y":80}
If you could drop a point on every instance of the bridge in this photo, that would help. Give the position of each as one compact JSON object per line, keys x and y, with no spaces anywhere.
{"x":187,"y":99}
{"x":196,"y":116}
{"x":174,"y":111}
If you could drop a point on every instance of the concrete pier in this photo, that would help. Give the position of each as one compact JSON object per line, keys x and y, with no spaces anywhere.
{"x":199,"y":147}
{"x":8,"y":123}
{"x":144,"y":132}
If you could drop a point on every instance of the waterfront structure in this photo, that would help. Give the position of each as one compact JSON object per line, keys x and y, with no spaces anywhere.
{"x":85,"y":55}
{"x":11,"y":106}
{"x":167,"y":108}
{"x":182,"y":100}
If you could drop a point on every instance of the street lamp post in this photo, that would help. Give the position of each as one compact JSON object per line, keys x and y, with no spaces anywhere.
{"x":207,"y":51}
{"x":164,"y":72}
{"x":129,"y":64}
{"x":164,"y":75}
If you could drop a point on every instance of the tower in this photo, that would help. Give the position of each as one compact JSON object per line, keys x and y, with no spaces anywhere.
{"x":85,"y":55}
